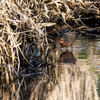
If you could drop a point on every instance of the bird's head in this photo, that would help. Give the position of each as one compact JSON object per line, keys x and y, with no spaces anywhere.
{"x":61,"y":40}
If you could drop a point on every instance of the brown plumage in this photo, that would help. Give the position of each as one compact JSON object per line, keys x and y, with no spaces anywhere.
{"x":68,"y":38}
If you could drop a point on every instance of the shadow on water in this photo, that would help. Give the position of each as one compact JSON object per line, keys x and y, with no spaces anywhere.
{"x":71,"y":75}
{"x":67,"y":57}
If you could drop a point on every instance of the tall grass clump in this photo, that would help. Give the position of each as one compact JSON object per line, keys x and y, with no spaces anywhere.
{"x":18,"y":30}
{"x":23,"y":28}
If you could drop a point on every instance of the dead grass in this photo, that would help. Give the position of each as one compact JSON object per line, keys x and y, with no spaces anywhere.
{"x":23,"y":24}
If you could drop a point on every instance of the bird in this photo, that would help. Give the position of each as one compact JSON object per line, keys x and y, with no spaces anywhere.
{"x":67,"y":39}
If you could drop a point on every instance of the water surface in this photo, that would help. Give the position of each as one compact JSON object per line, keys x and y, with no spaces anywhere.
{"x":73,"y":75}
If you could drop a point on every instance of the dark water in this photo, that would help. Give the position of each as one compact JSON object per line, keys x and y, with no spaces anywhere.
{"x":73,"y":75}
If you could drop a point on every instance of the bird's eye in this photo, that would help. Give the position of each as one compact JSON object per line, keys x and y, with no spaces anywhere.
{"x":61,"y":40}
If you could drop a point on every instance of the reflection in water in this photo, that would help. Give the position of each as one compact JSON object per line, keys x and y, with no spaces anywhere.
{"x":66,"y":81}
{"x":67,"y":57}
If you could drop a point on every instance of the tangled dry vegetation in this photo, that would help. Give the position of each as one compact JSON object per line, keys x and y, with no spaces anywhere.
{"x":23,"y":28}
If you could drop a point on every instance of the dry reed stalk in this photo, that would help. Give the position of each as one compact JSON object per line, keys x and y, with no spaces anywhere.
{"x":7,"y":77}
{"x":15,"y":23}
{"x":23,"y":23}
